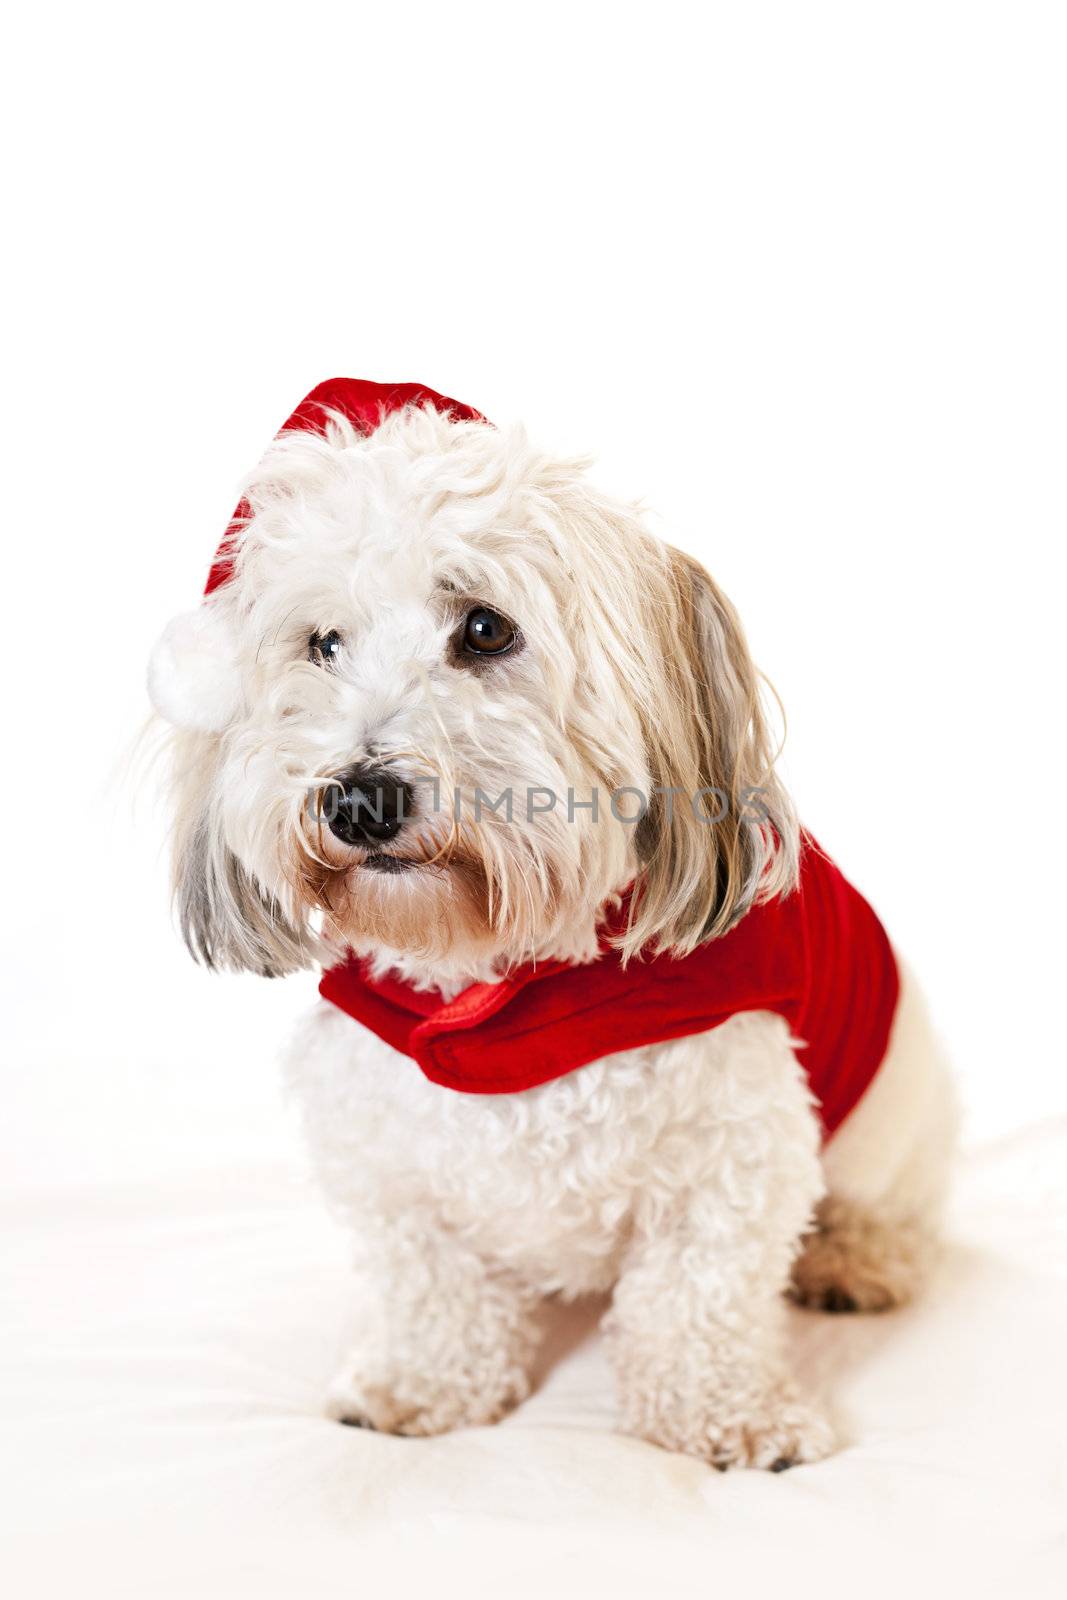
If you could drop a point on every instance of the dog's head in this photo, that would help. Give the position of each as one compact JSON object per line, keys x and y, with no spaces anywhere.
{"x":449,"y":701}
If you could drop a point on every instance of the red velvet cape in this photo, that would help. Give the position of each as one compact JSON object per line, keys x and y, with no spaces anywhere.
{"x":819,"y":958}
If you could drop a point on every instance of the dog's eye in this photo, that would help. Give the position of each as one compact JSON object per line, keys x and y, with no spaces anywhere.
{"x":487,"y":633}
{"x":324,"y":648}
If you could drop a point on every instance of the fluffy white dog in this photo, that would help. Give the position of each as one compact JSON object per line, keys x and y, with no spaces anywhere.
{"x":416,"y":610}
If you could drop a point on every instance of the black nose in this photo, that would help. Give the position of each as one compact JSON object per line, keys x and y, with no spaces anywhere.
{"x":367,"y":805}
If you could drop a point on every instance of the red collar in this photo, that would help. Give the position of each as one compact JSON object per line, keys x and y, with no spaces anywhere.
{"x":819,"y":957}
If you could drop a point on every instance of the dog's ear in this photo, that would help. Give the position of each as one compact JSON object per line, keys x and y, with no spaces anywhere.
{"x":228,"y":920}
{"x":194,"y":676}
{"x":721,"y":832}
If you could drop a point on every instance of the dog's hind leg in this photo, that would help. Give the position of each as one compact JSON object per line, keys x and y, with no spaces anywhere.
{"x":877,"y":1230}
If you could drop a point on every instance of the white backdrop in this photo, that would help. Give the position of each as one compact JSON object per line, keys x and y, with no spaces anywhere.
{"x":793,"y":274}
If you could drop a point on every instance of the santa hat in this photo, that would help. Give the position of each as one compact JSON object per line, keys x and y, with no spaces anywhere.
{"x":193,"y":679}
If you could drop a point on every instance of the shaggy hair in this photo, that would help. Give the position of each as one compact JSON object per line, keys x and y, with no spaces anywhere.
{"x":629,"y":676}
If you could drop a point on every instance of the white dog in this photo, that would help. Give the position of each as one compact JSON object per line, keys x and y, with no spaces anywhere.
{"x":415,"y":612}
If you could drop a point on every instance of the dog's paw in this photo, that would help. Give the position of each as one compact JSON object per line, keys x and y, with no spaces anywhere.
{"x":784,"y":1432}
{"x":420,"y":1404}
{"x":784,"y":1437}
{"x":855,"y":1261}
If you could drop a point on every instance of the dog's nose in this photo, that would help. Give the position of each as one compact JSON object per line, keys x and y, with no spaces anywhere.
{"x":367,"y":805}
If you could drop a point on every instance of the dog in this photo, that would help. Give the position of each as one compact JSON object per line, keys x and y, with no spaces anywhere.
{"x":456,"y":727}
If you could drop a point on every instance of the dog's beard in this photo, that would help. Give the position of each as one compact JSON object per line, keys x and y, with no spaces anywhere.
{"x":428,"y":895}
{"x":446,"y":892}
{"x":433,"y":911}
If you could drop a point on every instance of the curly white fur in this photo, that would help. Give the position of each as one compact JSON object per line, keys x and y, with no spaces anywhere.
{"x":684,"y":1177}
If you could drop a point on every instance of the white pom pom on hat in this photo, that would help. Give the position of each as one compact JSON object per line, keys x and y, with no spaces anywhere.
{"x":194,"y":680}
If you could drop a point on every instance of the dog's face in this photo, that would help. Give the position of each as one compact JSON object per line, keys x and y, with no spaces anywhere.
{"x":452,"y":700}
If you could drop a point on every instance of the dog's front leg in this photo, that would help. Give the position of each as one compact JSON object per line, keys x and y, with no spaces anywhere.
{"x":696,"y":1325}
{"x":443,"y":1340}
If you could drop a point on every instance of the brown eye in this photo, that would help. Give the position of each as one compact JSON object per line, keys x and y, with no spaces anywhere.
{"x":324,"y":648}
{"x":487,"y":633}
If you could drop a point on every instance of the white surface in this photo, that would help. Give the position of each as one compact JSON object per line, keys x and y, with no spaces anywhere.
{"x":164,"y":1371}
{"x":795,"y":274}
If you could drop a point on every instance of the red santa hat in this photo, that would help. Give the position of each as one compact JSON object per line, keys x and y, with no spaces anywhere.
{"x":192,"y":675}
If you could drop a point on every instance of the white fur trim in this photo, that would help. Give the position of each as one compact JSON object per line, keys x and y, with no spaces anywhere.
{"x":193,"y":677}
